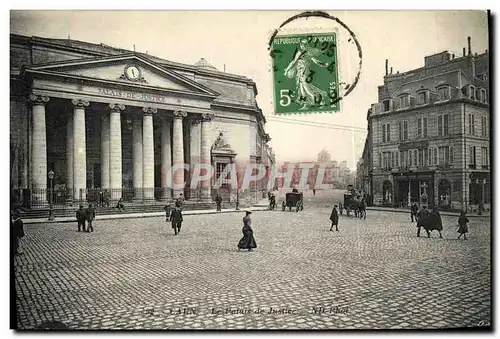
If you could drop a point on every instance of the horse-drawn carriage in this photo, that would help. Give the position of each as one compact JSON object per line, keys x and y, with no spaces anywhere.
{"x":294,"y":199}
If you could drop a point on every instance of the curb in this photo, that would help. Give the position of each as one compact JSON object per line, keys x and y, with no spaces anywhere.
{"x":450,"y":214}
{"x":138,"y":215}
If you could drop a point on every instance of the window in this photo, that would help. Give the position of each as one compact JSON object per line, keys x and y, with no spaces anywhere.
{"x":472,"y":155}
{"x":484,"y":156}
{"x":452,"y":158}
{"x":420,"y":157}
{"x":484,"y":99}
{"x":380,"y":160}
{"x":403,"y":130}
{"x":387,"y":161}
{"x":423,"y":97}
{"x":386,"y":132}
{"x":422,"y":127}
{"x":444,"y":93}
{"x":472,"y":92}
{"x":443,"y":124}
{"x":425,"y":157}
{"x":471,"y":125}
{"x":219,"y":170}
{"x":444,"y":155}
{"x":484,"y":127}
{"x":386,"y":105}
{"x":435,"y":156}
{"x":415,"y":160}
{"x":404,"y":101}
{"x":403,"y":161}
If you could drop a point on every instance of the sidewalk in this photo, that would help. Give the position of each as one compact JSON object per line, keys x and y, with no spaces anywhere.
{"x":140,"y":215}
{"x":407,"y":210}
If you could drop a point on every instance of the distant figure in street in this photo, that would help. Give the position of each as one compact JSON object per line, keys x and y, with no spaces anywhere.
{"x":167,"y":209}
{"x":101,"y":198}
{"x":218,"y":201}
{"x":462,"y":225}
{"x":248,"y":241}
{"x":120,"y":205}
{"x":421,"y":217}
{"x":340,"y":208}
{"x":176,"y":218}
{"x":314,"y":191}
{"x":90,"y":214}
{"x":362,"y":209}
{"x":17,"y":232}
{"x":433,"y":222}
{"x":81,"y":216}
{"x":272,"y":201}
{"x":334,"y":217}
{"x":414,"y":211}
{"x":180,"y":201}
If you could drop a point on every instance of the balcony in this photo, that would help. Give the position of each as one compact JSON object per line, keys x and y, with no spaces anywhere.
{"x":472,"y":166}
{"x":485,"y":167}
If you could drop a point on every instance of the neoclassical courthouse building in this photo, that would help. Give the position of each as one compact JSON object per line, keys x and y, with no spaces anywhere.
{"x":87,"y":117}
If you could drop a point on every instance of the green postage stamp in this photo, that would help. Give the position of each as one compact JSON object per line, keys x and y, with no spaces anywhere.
{"x":305,"y":73}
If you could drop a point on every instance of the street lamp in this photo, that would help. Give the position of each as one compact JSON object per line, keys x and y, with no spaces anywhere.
{"x":51,"y":210}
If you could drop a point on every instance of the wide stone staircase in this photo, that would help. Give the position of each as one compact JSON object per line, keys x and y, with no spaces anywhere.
{"x":70,"y":211}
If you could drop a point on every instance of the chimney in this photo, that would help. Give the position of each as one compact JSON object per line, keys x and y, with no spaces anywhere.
{"x":463,"y":52}
{"x":391,"y":70}
{"x":468,"y":44}
{"x":386,"y":66}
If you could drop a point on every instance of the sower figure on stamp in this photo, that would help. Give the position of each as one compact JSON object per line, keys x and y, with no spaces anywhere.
{"x":90,"y":214}
{"x":334,"y":217}
{"x":299,"y":68}
{"x":176,"y":218}
{"x":248,"y":241}
{"x":81,"y":216}
{"x":218,"y":201}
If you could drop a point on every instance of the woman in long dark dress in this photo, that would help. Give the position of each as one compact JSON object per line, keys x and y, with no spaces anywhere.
{"x":248,"y":241}
{"x":462,"y":225}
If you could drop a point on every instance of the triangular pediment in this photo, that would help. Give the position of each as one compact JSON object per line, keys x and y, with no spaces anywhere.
{"x":128,"y":69}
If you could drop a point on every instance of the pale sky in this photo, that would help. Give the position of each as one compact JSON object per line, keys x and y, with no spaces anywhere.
{"x":239,"y":41}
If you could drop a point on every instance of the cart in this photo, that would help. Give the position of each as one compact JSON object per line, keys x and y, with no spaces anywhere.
{"x":295,"y":200}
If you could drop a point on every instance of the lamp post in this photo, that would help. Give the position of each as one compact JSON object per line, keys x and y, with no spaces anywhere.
{"x":51,"y":210}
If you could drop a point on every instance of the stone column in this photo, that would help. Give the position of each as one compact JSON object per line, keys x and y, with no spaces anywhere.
{"x":137,"y":158}
{"x":115,"y":151}
{"x":39,"y":154}
{"x":79,"y":150}
{"x":205,"y":157}
{"x":105,"y":152}
{"x":166,"y":159}
{"x":148,"y":154}
{"x":178,"y":151}
{"x":194,"y":149}
{"x":69,"y":159}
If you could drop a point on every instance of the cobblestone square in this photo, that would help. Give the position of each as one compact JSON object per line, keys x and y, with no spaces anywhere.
{"x":372,"y":274}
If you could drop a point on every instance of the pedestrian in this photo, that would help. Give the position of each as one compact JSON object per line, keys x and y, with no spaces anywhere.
{"x":119,"y":205}
{"x":314,"y":191}
{"x":167,"y":209}
{"x":421,"y":219}
{"x":414,"y":211}
{"x":334,"y":217}
{"x":218,"y":201}
{"x":462,"y":225}
{"x":248,"y":241}
{"x":81,"y":216}
{"x":176,"y":218}
{"x":340,"y":208}
{"x":433,"y":222}
{"x":90,"y":214}
{"x":180,"y":201}
{"x":17,"y":231}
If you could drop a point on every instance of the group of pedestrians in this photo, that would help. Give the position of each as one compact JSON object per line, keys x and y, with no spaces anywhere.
{"x":85,"y":216}
{"x":430,"y":220}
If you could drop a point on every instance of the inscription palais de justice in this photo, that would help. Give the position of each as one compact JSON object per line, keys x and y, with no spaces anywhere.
{"x":132,"y":95}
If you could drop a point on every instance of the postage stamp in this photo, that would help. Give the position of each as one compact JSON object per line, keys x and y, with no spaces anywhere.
{"x":305,"y":73}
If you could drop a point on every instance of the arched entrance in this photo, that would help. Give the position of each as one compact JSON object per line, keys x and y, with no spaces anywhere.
{"x":444,"y":193}
{"x":387,"y":192}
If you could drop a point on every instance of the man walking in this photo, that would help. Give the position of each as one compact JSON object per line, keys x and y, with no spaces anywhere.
{"x":218,"y":201}
{"x":81,"y":215}
{"x":176,"y":218}
{"x":17,"y":231}
{"x":334,"y":217}
{"x":422,"y":219}
{"x":90,"y":214}
{"x":414,"y":211}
